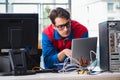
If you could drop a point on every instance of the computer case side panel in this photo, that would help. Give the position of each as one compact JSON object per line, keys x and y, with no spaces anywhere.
{"x":104,"y":43}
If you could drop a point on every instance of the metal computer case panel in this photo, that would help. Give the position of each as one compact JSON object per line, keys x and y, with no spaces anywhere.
{"x":109,"y":33}
{"x":103,"y":41}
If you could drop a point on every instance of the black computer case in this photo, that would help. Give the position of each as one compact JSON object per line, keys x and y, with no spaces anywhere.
{"x":109,"y":39}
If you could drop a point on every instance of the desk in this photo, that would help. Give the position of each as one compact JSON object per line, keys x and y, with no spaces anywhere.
{"x":64,"y":76}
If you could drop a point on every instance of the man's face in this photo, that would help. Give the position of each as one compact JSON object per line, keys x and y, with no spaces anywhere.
{"x":63,"y":26}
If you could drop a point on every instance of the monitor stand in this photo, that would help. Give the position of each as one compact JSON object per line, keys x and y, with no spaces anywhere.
{"x":17,"y":55}
{"x":18,"y":62}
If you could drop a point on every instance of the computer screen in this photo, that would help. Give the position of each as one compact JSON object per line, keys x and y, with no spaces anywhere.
{"x":18,"y":31}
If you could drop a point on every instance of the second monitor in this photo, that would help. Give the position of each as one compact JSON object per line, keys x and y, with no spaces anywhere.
{"x":19,"y":31}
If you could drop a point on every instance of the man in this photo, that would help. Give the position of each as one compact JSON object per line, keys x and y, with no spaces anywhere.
{"x":57,"y":37}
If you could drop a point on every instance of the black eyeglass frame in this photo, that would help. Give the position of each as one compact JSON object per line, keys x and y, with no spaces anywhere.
{"x":67,"y":25}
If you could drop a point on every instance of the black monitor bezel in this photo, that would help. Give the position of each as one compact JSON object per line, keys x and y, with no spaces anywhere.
{"x":33,"y":27}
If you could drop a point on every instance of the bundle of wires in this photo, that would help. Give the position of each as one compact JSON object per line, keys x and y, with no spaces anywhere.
{"x":73,"y":65}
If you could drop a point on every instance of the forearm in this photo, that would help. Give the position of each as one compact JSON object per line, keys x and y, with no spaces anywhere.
{"x":50,"y":61}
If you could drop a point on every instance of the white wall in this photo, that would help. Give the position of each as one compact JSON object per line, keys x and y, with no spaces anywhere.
{"x":89,"y":14}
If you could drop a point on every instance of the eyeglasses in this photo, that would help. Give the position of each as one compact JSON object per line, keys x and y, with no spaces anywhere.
{"x":61,"y":27}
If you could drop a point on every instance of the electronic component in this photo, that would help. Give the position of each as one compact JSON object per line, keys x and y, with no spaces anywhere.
{"x":109,"y":37}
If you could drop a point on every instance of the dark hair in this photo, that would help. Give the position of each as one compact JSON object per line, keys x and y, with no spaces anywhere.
{"x":59,"y":12}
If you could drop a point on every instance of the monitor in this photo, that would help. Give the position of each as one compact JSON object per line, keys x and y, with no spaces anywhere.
{"x":18,"y":31}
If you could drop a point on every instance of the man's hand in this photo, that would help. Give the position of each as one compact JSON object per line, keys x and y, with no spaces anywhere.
{"x":63,"y":53}
{"x":67,"y":52}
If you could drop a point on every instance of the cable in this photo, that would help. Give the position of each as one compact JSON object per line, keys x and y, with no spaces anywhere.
{"x":37,"y":67}
{"x":75,"y":65}
{"x":93,"y":61}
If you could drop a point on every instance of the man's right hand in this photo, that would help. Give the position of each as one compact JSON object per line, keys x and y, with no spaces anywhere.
{"x":63,"y":53}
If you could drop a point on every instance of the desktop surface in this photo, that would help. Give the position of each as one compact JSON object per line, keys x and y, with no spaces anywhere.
{"x":64,"y":76}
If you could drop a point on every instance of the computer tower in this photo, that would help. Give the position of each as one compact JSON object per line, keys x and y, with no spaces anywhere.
{"x":109,"y":41}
